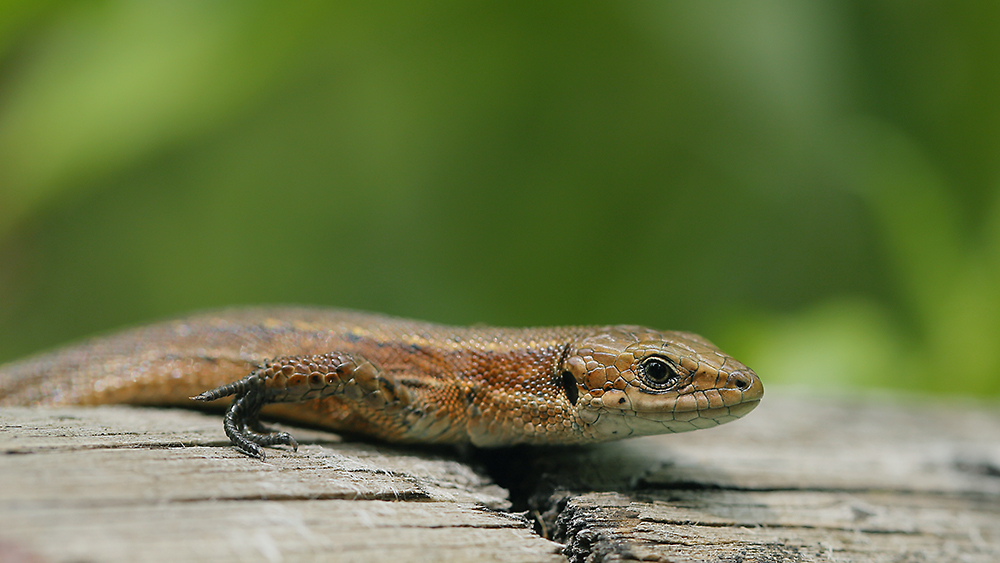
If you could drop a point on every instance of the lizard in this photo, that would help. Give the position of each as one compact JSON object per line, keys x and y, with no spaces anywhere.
{"x":400,"y":380}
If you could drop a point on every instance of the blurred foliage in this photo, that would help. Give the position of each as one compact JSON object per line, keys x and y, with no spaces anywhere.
{"x":812,"y":185}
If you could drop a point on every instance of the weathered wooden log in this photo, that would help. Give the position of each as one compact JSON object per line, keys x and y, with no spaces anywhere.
{"x":800,"y":479}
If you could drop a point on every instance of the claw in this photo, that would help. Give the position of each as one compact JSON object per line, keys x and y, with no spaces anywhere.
{"x":242,"y":423}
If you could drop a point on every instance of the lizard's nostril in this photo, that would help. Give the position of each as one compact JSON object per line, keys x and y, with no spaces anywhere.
{"x":740,"y":380}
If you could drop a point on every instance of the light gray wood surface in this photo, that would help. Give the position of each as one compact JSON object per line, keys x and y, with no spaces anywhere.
{"x":805,"y":479}
{"x":131,"y":484}
{"x":802,"y":478}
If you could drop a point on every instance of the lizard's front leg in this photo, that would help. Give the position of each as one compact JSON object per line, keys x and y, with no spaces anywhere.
{"x":291,"y":379}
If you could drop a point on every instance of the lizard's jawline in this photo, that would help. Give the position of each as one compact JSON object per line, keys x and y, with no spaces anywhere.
{"x":616,"y":424}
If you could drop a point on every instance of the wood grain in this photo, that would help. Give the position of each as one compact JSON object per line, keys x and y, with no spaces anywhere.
{"x":803,"y":479}
{"x":130,"y":484}
{"x":876,"y":479}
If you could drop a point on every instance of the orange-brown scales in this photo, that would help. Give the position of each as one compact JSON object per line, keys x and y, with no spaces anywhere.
{"x":402,"y":380}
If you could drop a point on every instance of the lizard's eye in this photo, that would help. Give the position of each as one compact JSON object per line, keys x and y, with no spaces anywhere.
{"x":658,"y":373}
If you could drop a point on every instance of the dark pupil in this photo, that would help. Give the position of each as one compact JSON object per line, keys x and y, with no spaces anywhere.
{"x":657,"y":371}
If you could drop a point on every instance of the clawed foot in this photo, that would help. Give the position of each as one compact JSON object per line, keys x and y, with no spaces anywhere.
{"x":242,"y":420}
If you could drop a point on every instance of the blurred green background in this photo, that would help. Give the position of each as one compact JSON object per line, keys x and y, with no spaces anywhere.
{"x":815,"y":186}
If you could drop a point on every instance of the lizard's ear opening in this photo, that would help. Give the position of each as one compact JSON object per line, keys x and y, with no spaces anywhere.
{"x":569,"y":385}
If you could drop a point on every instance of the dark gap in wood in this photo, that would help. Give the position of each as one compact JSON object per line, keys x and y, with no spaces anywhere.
{"x":530,"y":489}
{"x":978,"y":467}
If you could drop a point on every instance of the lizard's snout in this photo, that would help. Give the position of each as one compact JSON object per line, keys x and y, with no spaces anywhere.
{"x":747,"y":382}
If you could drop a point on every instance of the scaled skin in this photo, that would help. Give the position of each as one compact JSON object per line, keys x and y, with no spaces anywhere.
{"x":408,"y":381}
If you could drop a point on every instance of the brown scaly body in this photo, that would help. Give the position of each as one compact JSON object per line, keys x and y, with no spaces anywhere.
{"x":401,"y":380}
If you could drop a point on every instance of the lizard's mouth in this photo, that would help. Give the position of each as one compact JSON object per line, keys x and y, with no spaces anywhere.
{"x":719,"y":415}
{"x":642,"y":417}
{"x":615,"y":423}
{"x":708,"y":417}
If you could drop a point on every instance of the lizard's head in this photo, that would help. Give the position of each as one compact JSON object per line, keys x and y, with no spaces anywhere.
{"x":633,"y":381}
